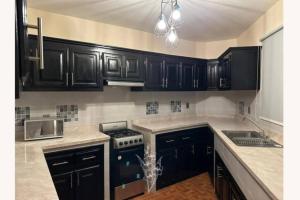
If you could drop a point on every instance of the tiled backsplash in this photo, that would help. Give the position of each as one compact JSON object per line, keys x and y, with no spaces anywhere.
{"x":152,"y":108}
{"x":175,"y":106}
{"x":21,"y":113}
{"x":116,"y":103}
{"x":67,"y":112}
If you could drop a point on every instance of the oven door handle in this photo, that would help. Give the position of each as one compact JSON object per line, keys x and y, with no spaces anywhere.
{"x":130,"y":150}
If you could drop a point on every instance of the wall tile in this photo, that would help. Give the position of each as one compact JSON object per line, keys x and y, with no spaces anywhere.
{"x":67,"y":112}
{"x":175,"y":106}
{"x":21,"y":113}
{"x":152,"y":108}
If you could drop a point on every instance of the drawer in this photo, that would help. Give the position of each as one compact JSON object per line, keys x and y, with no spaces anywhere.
{"x":167,"y":140}
{"x":60,"y":163}
{"x":89,"y":157}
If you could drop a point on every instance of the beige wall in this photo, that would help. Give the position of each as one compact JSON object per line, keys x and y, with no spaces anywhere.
{"x":267,"y":23}
{"x":215,"y":48}
{"x":73,"y":28}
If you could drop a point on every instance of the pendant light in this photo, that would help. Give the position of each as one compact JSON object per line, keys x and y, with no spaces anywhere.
{"x":167,"y":28}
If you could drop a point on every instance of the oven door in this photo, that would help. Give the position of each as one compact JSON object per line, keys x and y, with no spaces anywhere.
{"x":125,"y":166}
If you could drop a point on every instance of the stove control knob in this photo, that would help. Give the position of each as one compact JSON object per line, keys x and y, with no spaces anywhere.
{"x":140,"y":140}
{"x":135,"y":141}
{"x":125,"y":142}
{"x":130,"y":141}
{"x":120,"y":143}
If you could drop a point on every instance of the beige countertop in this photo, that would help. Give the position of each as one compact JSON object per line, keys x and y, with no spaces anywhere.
{"x":33,"y":179}
{"x":265,"y":165}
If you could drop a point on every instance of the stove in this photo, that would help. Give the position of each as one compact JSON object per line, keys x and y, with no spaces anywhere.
{"x":126,"y":174}
{"x":122,"y":137}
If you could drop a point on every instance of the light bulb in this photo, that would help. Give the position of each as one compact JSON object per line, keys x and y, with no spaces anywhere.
{"x":172,"y":36}
{"x":161,"y":24}
{"x":176,"y":15}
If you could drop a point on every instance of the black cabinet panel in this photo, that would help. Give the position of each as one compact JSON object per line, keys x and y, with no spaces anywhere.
{"x":188,"y":75}
{"x":169,"y":163}
{"x":90,"y":183}
{"x":64,"y":185}
{"x":85,"y":67}
{"x":112,"y":64}
{"x":212,"y":74}
{"x":154,"y":72}
{"x":55,"y":71}
{"x":201,"y":75}
{"x":134,"y":67}
{"x":172,"y":73}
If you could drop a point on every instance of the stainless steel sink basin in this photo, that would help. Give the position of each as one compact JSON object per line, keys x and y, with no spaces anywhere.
{"x":250,"y":138}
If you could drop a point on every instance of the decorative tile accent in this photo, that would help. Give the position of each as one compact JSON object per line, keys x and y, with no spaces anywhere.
{"x":152,"y":108}
{"x":175,"y":106}
{"x":67,"y":112}
{"x":21,"y":113}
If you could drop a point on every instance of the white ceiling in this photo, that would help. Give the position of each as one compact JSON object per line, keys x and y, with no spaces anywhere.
{"x":203,"y":20}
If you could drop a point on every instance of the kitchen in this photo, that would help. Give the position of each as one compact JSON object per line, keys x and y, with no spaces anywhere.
{"x":151,"y":99}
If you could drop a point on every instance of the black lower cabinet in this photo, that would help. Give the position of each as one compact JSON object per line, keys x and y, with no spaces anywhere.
{"x":89,"y":184}
{"x":78,"y":174}
{"x":225,"y":186}
{"x":169,"y":163}
{"x":64,"y":185}
{"x":184,"y":154}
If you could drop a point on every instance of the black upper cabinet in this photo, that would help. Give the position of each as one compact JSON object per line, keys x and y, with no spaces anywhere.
{"x":224,"y":73}
{"x":55,"y":71}
{"x":188,"y":76}
{"x":212,"y":74}
{"x":85,"y":67}
{"x":66,"y":67}
{"x":201,"y":75}
{"x":172,"y":80}
{"x":122,"y":65}
{"x":154,"y":72}
{"x":243,"y":64}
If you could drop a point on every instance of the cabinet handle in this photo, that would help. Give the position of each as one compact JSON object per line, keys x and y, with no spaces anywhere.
{"x":166,"y":82}
{"x":168,"y":141}
{"x":163,"y":82}
{"x":89,"y":158}
{"x":193,"y":149}
{"x":221,"y":84}
{"x":197,"y":83}
{"x":60,"y":163}
{"x":71,"y":184}
{"x":186,"y":138}
{"x":72,"y":78}
{"x":194,"y":84}
{"x":208,"y":150}
{"x":127,"y":66}
{"x":67,"y":79}
{"x":40,"y":55}
{"x":176,"y":153}
{"x":87,"y":175}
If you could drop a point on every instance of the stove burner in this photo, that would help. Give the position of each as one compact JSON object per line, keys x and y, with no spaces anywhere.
{"x":123,"y":133}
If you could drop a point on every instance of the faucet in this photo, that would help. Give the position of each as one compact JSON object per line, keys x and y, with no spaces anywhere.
{"x":262,"y":131}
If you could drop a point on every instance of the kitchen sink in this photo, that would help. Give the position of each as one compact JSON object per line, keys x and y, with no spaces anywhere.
{"x":251,"y":139}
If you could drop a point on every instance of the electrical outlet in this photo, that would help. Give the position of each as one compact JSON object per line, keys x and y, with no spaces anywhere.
{"x":187,"y":105}
{"x":249,"y":110}
{"x":241,"y":108}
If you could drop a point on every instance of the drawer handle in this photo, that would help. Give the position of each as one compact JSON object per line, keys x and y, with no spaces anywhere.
{"x":89,"y":158}
{"x":87,"y":175}
{"x":186,"y":138}
{"x":168,"y":141}
{"x":60,"y":163}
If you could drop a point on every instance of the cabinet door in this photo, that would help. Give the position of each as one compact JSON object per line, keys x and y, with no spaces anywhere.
{"x":201,"y":75}
{"x":89,"y":183}
{"x":186,"y":158}
{"x":134,"y":67}
{"x":64,"y":185}
{"x":212,"y":75}
{"x":85,"y":67}
{"x":172,"y":73}
{"x":224,"y":72}
{"x":169,"y":163}
{"x":188,"y":68}
{"x":113,"y":64}
{"x":55,"y":71}
{"x":154,"y":72}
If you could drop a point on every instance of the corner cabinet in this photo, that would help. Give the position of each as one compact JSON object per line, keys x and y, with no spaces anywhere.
{"x":79,"y":173}
{"x":242,"y":66}
{"x":66,"y":67}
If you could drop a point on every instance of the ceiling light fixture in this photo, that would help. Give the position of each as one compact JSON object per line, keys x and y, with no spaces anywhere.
{"x":167,"y":28}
